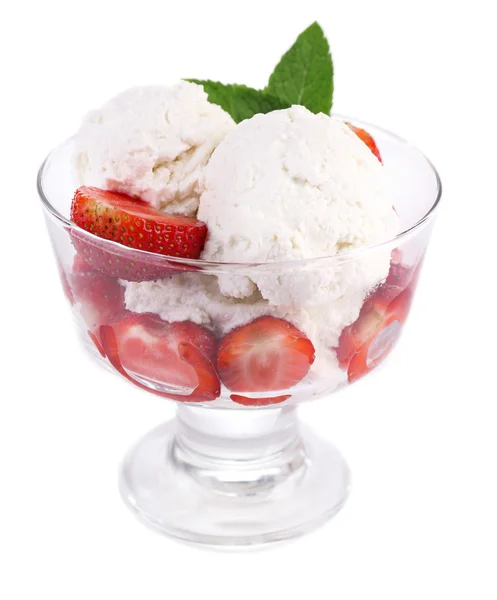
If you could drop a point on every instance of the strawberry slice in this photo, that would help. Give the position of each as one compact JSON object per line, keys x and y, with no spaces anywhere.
{"x":95,"y":338}
{"x":100,"y":296}
{"x":80,"y":266}
{"x":246,"y":401}
{"x":400,"y":277}
{"x":265,"y":355}
{"x":388,"y":299}
{"x":368,"y":341}
{"x":135,"y":224}
{"x":176,"y":355}
{"x":379,"y":345}
{"x":367,"y":138}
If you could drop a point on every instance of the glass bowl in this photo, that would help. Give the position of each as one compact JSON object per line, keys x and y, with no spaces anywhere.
{"x":236,"y":467}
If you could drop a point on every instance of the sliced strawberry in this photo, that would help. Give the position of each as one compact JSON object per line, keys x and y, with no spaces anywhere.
{"x":80,"y":266}
{"x":267,"y":354}
{"x":95,"y":338}
{"x":371,"y":353}
{"x":367,"y":138}
{"x":368,"y":341}
{"x":373,"y":311}
{"x":389,"y":304}
{"x":363,"y":329}
{"x":101,"y":298}
{"x":134,"y":224}
{"x":246,"y":401}
{"x":396,"y":255}
{"x":400,"y":277}
{"x":176,"y":355}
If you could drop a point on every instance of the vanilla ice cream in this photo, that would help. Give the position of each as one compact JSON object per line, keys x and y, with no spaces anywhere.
{"x":152,"y":142}
{"x":292,"y":185}
{"x":197,"y":297}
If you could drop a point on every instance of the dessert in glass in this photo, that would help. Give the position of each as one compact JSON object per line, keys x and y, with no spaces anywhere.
{"x":238,"y":270}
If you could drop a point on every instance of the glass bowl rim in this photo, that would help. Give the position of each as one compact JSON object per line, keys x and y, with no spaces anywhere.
{"x":200,"y":263}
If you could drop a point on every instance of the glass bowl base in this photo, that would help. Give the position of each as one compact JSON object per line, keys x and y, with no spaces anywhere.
{"x":233,"y":502}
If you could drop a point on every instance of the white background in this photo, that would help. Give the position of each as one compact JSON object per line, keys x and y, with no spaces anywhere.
{"x":420,"y":435}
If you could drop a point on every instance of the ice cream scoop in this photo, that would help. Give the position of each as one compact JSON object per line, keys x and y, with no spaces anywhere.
{"x":152,"y":142}
{"x":295,"y":185}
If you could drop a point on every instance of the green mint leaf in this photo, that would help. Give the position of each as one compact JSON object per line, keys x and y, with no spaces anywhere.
{"x":304,"y":74}
{"x":240,"y":101}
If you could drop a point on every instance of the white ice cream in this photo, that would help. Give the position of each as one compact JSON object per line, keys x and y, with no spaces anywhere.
{"x":152,"y":142}
{"x":196,"y":297}
{"x":292,"y":185}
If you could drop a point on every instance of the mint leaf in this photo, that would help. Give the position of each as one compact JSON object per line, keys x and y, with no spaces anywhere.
{"x":240,"y":101}
{"x":304,"y":74}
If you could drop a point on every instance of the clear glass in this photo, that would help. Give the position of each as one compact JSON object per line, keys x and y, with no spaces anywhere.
{"x":236,"y":467}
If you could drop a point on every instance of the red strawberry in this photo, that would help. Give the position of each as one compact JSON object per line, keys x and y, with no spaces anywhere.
{"x":266,"y":355}
{"x":246,"y":401}
{"x":178,"y":355}
{"x":378,"y":347}
{"x":95,"y":338}
{"x":396,"y":255}
{"x":80,"y":266}
{"x":101,"y":298}
{"x":388,"y":299}
{"x":367,"y":138}
{"x":400,"y":277}
{"x":364,"y":344}
{"x":134,"y":224}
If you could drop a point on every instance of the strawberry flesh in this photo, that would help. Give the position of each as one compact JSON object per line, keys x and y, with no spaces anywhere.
{"x":101,"y":298}
{"x":367,"y":342}
{"x":246,"y":401}
{"x":80,"y":266}
{"x":380,"y":341}
{"x":134,"y":224}
{"x":265,"y":355}
{"x":367,"y":138}
{"x":94,"y":337}
{"x":178,"y":355}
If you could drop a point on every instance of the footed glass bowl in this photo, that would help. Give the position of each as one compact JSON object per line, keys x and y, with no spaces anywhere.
{"x":235,"y":467}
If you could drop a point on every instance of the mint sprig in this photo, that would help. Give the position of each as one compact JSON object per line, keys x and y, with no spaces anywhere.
{"x":240,"y":101}
{"x":303,"y":76}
